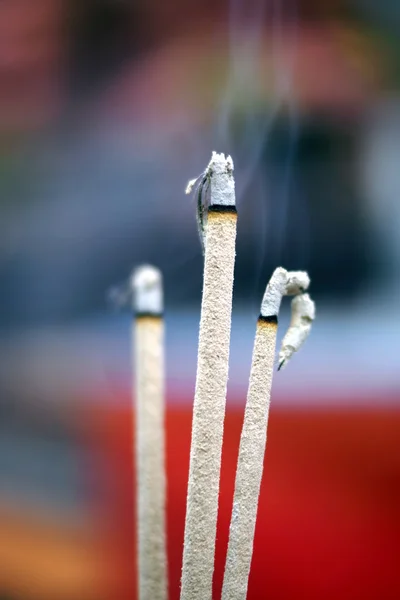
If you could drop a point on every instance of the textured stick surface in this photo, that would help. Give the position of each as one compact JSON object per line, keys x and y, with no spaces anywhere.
{"x":150,"y":467}
{"x":209,"y":407}
{"x":250,"y":464}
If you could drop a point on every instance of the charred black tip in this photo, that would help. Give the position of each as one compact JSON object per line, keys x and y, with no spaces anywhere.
{"x":269,"y":319}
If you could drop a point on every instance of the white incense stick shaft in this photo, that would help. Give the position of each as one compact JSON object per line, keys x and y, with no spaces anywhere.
{"x":250,"y":463}
{"x":254,"y":434}
{"x":211,"y":385}
{"x":148,"y":338}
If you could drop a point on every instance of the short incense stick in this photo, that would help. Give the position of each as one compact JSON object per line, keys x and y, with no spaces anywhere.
{"x":254,"y":434}
{"x":217,"y":221}
{"x":148,"y":335}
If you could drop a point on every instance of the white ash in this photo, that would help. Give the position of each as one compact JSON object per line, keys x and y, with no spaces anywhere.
{"x":220,"y":172}
{"x":282,"y":283}
{"x":146,"y":283}
{"x":274,"y":293}
{"x":215,"y":186}
{"x":303,"y":314}
{"x":297,"y":282}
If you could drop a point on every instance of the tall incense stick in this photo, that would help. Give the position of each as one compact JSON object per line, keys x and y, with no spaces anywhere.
{"x":148,"y":336}
{"x":254,"y":435}
{"x":217,"y":220}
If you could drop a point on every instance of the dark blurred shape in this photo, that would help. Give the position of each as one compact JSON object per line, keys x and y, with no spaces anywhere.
{"x":105,"y":34}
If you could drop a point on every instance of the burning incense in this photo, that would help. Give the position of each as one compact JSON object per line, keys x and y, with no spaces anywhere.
{"x":254,"y":430}
{"x":217,"y":223}
{"x":148,"y":335}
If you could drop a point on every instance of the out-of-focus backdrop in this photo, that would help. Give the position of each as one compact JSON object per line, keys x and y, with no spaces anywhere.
{"x":107,"y":108}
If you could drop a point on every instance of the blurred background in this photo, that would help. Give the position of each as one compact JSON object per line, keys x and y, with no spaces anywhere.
{"x":107,"y":109}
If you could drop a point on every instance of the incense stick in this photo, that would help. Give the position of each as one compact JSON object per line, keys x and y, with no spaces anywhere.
{"x":148,"y":336}
{"x":254,"y":434}
{"x":217,"y":224}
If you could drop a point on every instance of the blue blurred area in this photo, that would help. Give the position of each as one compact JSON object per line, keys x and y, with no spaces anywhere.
{"x":92,"y":177}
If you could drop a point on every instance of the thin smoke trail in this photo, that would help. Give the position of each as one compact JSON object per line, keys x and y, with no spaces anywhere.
{"x":283,"y":61}
{"x":281,"y":222}
{"x":247,"y":26}
{"x":248,"y":22}
{"x":240,"y":130}
{"x":242,"y":51}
